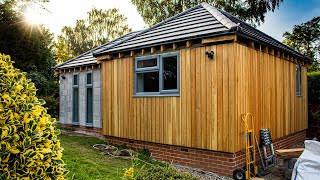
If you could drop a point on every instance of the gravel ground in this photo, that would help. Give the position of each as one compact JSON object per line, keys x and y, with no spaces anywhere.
{"x":202,"y":175}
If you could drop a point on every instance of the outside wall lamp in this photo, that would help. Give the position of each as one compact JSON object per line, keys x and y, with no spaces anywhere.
{"x":210,"y":54}
{"x":63,"y":77}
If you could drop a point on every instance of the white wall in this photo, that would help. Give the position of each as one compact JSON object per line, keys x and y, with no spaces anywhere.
{"x":66,"y":89}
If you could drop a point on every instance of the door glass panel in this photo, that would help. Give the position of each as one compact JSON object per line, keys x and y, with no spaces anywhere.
{"x":89,"y":106}
{"x":75,"y":105}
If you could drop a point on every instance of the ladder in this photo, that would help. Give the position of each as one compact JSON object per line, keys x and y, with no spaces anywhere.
{"x":251,"y":168}
{"x":266,"y":140}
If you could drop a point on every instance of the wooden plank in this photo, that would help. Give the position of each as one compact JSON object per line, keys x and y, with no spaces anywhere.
{"x":153,"y":50}
{"x":225,"y":96}
{"x":193,"y":98}
{"x":204,"y":96}
{"x":219,"y":39}
{"x":174,"y":46}
{"x":162,"y":48}
{"x":209,"y":105}
{"x":189,"y":86}
{"x":289,"y":153}
{"x":104,"y":57}
{"x":231,"y":96}
{"x":183,"y":98}
{"x":120,"y":55}
{"x":220,"y":96}
{"x":188,"y":43}
{"x":198,"y":123}
{"x":214,"y":127}
{"x":153,"y":119}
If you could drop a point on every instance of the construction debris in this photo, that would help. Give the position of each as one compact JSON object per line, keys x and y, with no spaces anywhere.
{"x":308,"y":164}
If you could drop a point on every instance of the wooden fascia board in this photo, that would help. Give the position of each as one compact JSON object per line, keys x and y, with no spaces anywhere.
{"x":232,"y":37}
{"x":104,"y":57}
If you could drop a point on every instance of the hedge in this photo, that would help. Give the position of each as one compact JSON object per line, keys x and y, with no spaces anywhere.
{"x":314,"y":88}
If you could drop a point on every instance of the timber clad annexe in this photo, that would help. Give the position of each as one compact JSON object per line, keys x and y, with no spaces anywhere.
{"x":213,"y":96}
{"x":181,"y":87}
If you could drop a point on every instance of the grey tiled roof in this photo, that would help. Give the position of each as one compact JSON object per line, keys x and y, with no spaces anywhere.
{"x":200,"y":21}
{"x":87,"y":57}
{"x":251,"y":32}
{"x":194,"y":22}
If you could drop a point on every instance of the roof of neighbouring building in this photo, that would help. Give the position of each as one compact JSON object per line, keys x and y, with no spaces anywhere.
{"x":197,"y":22}
{"x":87,"y":57}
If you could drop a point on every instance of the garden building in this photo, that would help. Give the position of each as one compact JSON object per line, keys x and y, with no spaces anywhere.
{"x":179,"y":89}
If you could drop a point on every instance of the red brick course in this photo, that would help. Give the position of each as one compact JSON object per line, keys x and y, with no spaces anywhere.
{"x":218,"y":162}
{"x":82,"y":128}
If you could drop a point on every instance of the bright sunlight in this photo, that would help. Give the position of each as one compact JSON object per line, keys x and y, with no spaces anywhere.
{"x":33,"y":16}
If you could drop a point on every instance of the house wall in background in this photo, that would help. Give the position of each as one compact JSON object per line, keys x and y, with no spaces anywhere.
{"x":66,"y":97}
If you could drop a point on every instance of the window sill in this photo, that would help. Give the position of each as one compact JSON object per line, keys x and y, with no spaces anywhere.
{"x":155,"y":95}
{"x":75,"y":123}
{"x":89,"y":125}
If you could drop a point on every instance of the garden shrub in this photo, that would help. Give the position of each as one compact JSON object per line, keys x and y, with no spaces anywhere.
{"x":314,"y":88}
{"x":52,"y":104}
{"x":29,"y":148}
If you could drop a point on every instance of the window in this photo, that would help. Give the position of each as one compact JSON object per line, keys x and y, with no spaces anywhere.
{"x":75,"y":79}
{"x":298,"y":79}
{"x":157,"y":75}
{"x":89,"y":97}
{"x":75,"y":102}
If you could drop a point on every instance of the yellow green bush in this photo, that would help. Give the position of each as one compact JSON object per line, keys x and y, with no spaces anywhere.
{"x":29,"y":148}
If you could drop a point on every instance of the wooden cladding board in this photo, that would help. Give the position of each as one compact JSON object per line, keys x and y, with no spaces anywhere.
{"x":213,"y":95}
{"x":201,"y":117}
{"x":266,"y":87}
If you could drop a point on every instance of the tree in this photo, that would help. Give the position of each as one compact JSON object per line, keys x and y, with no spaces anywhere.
{"x":98,"y":28}
{"x":253,"y":11}
{"x":305,"y":38}
{"x":30,"y":47}
{"x":62,"y":50}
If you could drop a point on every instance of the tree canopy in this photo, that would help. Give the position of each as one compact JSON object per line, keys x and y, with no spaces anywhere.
{"x":98,"y":28}
{"x":253,"y":11}
{"x":30,"y":47}
{"x":305,"y":38}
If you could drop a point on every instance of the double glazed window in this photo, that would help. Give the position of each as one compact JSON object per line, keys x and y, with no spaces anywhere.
{"x":157,"y":75}
{"x":298,"y":79}
{"x":75,"y":104}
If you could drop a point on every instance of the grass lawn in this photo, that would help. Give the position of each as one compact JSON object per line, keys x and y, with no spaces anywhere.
{"x":84,"y":162}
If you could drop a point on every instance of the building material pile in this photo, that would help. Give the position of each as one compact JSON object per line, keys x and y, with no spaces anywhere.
{"x":289,"y":153}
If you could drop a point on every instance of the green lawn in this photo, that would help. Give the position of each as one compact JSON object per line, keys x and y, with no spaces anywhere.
{"x":84,"y":162}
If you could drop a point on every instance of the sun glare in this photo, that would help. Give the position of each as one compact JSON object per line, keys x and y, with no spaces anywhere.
{"x":33,"y":16}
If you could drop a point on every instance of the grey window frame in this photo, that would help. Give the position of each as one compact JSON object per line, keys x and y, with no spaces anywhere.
{"x":158,"y":68}
{"x":73,"y":108}
{"x":298,"y":79}
{"x":89,"y":86}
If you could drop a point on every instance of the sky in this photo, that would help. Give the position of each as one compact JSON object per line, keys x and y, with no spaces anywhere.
{"x":65,"y":13}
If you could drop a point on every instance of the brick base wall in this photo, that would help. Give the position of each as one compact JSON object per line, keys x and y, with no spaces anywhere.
{"x":218,"y":162}
{"x":82,"y":128}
